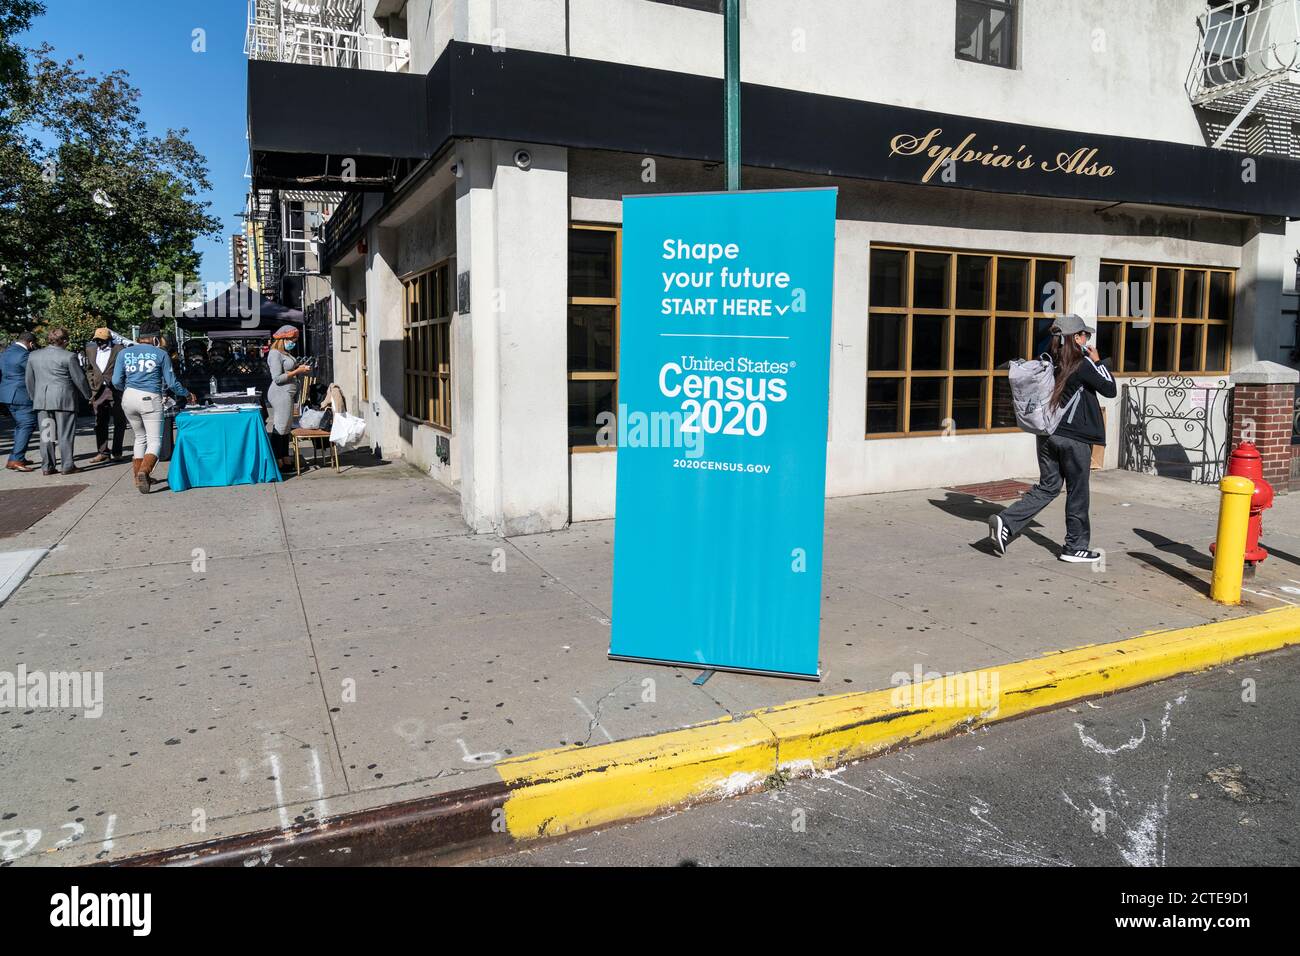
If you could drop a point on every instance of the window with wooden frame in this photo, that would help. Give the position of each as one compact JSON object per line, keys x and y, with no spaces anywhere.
{"x":363,"y":346}
{"x":594,"y":282}
{"x":1155,"y":319}
{"x":426,"y":342}
{"x":943,"y":325}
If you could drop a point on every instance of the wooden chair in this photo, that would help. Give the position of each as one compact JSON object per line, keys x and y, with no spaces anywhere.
{"x":311,"y":436}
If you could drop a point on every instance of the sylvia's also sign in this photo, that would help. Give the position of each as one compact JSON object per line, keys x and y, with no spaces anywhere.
{"x":1079,"y":162}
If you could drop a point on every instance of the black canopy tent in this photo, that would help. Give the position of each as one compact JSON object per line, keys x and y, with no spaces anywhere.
{"x":230,"y":313}
{"x":238,"y":313}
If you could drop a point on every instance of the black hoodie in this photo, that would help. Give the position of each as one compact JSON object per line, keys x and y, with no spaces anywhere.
{"x":1082,"y":420}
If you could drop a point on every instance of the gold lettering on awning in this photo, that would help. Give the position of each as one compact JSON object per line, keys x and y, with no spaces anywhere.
{"x":1080,"y":162}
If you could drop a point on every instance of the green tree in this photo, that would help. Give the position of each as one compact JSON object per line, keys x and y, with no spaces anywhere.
{"x":15,"y":17}
{"x":69,"y":308}
{"x":94,"y":210}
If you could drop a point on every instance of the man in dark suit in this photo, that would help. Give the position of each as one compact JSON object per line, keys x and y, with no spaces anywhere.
{"x":14,"y":395}
{"x":101,"y":355}
{"x":54,"y":380}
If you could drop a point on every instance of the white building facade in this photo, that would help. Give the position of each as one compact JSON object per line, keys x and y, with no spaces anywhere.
{"x":475,"y":261}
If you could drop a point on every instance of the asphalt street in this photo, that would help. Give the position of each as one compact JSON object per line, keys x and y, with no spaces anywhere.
{"x":1199,"y":770}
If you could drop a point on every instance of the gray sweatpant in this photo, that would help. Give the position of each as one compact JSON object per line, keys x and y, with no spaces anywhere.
{"x":1059,"y":458}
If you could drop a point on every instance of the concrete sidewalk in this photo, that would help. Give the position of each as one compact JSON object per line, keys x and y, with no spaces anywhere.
{"x":230,"y":638}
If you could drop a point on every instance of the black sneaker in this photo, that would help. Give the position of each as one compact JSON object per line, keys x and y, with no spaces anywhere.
{"x":999,"y":534}
{"x":1080,"y":556}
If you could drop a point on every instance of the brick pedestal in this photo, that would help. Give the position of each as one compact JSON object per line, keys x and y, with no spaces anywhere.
{"x":1263,"y":406}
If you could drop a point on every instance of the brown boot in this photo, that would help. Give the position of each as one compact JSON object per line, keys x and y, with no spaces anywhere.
{"x":142,"y":479}
{"x":135,"y":466}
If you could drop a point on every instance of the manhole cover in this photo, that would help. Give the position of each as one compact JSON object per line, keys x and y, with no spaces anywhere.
{"x":19,"y":510}
{"x":1003,"y":490}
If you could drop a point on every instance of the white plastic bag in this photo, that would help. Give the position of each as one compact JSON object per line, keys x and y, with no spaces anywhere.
{"x":348,"y":430}
{"x":311,"y":417}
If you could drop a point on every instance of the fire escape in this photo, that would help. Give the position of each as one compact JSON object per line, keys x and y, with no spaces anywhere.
{"x":263,"y":232}
{"x":320,"y":33}
{"x":286,"y":226}
{"x":1243,"y":77}
{"x":1244,"y":82}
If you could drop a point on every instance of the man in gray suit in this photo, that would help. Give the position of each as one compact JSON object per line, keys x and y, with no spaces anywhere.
{"x":54,"y":379}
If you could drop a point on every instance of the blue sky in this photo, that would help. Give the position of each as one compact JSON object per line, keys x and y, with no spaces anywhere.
{"x":206,"y":92}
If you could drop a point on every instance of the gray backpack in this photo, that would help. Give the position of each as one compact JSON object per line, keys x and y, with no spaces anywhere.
{"x":1031,"y":383}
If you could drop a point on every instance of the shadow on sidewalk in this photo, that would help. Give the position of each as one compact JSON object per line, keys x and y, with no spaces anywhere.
{"x":1192,"y":556}
{"x":970,"y":508}
{"x":1275,"y":553}
{"x":355,"y":459}
{"x":1178,"y":574}
{"x":361,"y":458}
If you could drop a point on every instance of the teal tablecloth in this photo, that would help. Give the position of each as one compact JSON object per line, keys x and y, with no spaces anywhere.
{"x":221,"y":448}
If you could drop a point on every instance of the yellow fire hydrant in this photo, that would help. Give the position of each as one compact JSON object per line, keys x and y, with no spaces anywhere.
{"x":1230,"y":542}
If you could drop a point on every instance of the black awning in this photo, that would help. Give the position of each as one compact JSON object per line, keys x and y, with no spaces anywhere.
{"x":304,"y":121}
{"x":239,"y":309}
{"x":333,"y":129}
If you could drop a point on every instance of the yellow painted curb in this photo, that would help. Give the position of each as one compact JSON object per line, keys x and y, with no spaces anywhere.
{"x":568,"y":789}
{"x":555,"y":791}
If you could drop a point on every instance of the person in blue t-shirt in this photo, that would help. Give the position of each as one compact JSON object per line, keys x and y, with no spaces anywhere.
{"x":142,"y":372}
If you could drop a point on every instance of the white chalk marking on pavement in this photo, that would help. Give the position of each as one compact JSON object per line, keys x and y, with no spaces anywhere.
{"x":78,"y":830}
{"x":1108,"y":751}
{"x":1169,"y":713}
{"x":27,"y":840}
{"x":321,"y":802}
{"x":488,"y":756}
{"x":978,"y":811}
{"x":274,"y":760}
{"x":108,"y":831}
{"x":1273,"y":597}
{"x":1144,"y":841}
{"x":865,"y":793}
{"x":592,"y":717}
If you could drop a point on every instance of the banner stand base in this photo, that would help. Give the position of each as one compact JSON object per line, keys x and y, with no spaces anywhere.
{"x":697,"y":666}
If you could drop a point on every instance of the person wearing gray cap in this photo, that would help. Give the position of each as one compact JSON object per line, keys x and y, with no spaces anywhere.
{"x":1065,"y":456}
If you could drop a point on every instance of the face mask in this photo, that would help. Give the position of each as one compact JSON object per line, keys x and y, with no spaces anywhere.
{"x":290,"y":345}
{"x":105,"y":345}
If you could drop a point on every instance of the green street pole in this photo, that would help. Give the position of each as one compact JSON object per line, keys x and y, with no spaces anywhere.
{"x":732,"y":95}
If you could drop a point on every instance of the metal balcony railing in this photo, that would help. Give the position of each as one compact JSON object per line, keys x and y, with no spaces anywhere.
{"x":322,"y":33}
{"x":342,"y":228}
{"x":1246,"y":45}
